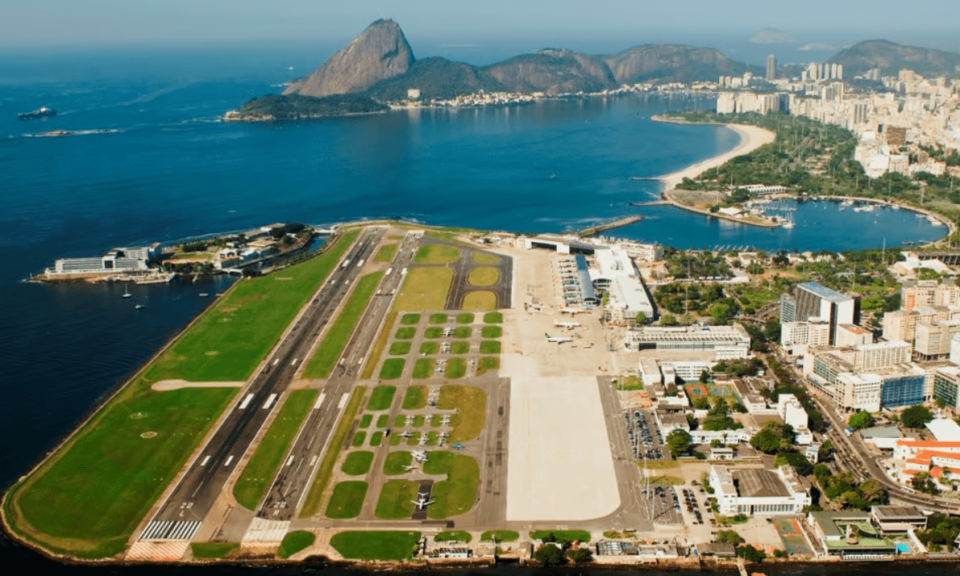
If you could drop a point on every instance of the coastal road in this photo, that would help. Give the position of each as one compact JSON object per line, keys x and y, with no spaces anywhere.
{"x":293,"y":481}
{"x":182,"y":513}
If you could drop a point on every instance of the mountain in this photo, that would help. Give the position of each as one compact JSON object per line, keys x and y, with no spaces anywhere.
{"x":379,"y":52}
{"x":553,"y":72}
{"x":772,"y":36}
{"x":673,"y":63}
{"x":436,"y":79}
{"x":890,"y":58}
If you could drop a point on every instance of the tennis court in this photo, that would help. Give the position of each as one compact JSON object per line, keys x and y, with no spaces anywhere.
{"x":710,"y":391}
{"x":793,"y":540}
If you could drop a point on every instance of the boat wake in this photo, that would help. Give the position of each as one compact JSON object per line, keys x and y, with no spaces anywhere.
{"x":62,"y":133}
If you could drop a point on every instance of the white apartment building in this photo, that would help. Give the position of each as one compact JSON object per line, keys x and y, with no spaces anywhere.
{"x":933,"y":338}
{"x":763,"y":492}
{"x":858,"y":391}
{"x":792,"y":413}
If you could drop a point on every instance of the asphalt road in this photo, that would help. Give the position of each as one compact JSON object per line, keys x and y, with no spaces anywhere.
{"x":185,"y":508}
{"x":293,"y":481}
{"x":460,"y":286}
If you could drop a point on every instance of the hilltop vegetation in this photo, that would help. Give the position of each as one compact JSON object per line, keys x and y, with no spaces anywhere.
{"x":297,"y":107}
{"x":891,"y":57}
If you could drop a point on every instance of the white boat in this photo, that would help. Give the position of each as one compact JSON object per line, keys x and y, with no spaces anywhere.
{"x":203,"y":294}
{"x":139,"y":307}
{"x":126,"y":292}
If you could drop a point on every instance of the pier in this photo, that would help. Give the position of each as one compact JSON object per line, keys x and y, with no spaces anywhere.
{"x":594,"y":230}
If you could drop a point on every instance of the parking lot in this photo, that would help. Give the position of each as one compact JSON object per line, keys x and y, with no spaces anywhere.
{"x":645,"y":436}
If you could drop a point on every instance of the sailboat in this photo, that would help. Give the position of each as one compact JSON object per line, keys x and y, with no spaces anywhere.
{"x":126,"y":292}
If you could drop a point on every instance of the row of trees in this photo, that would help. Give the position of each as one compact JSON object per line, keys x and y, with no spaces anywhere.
{"x":844,"y":492}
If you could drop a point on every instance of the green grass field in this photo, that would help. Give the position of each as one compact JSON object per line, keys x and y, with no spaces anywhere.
{"x":490,"y":347}
{"x":315,"y":496}
{"x":383,"y":420}
{"x":413,"y":440}
{"x":294,"y":542}
{"x":399,"y":348}
{"x":429,"y":348}
{"x":395,"y":440}
{"x":481,"y":258}
{"x":465,"y":318}
{"x":415,"y":398}
{"x":471,"y":405}
{"x":483,"y":276}
{"x":456,"y":494}
{"x":336,"y":338}
{"x":242,"y":327}
{"x":433,"y":332}
{"x":381,"y":398}
{"x":397,"y":462}
{"x":406,"y":333}
{"x":460,"y":348}
{"x":437,"y":319}
{"x":357,"y":463}
{"x":462,"y":332}
{"x":366,"y":420}
{"x":480,"y":300}
{"x":347,"y":500}
{"x":487,"y":364}
{"x":423,"y":368}
{"x":491,"y":332}
{"x":456,"y":368}
{"x":436,"y":420}
{"x":260,"y":470}
{"x":376,"y":439}
{"x":386,"y":253}
{"x":436,"y":254}
{"x":418,"y":421}
{"x":213,"y":550}
{"x":395,"y":502}
{"x":500,"y":535}
{"x":562,"y":536}
{"x":453,"y":536}
{"x":375,"y":545}
{"x":410,"y":319}
{"x":424,"y":289}
{"x":493,"y":318}
{"x":392,"y":368}
{"x":358,"y":439}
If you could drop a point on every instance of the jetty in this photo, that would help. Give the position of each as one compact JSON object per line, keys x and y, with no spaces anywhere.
{"x":594,"y":230}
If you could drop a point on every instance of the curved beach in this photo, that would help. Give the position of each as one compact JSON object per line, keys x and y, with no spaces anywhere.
{"x":751,"y":138}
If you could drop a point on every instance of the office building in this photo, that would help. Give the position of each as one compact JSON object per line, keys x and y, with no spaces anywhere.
{"x":771,"y":68}
{"x":813,"y":301}
{"x":726,"y":340}
{"x":812,"y":333}
{"x":946,"y":386}
{"x":933,"y":339}
{"x":853,"y":335}
{"x":762,"y":492}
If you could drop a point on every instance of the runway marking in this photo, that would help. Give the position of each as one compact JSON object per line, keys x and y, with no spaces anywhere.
{"x":389,"y":270}
{"x":170,"y":530}
{"x":289,"y":460}
{"x":277,"y":361}
{"x":319,"y":401}
{"x":205,"y":460}
{"x":343,"y":401}
{"x":313,"y":461}
{"x":246,"y":401}
{"x":269,"y":401}
{"x":294,"y":363}
{"x":229,"y":460}
{"x":360,"y":263}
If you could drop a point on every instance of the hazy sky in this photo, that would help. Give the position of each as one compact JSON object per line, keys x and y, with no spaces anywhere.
{"x":38,"y":23}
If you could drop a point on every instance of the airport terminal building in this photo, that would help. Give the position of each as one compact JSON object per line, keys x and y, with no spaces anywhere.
{"x":726,"y":342}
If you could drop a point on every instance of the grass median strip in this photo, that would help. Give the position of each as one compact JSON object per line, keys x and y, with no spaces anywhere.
{"x":392,"y":368}
{"x":562,"y":536}
{"x":424,"y":289}
{"x":294,"y":542}
{"x":346,"y":500}
{"x":436,"y":254}
{"x":357,"y":463}
{"x":375,"y":545}
{"x":213,"y":550}
{"x":487,"y":364}
{"x":266,"y":459}
{"x":396,"y":499}
{"x":480,"y":300}
{"x":415,"y":398}
{"x":500,"y":535}
{"x":336,"y":338}
{"x":399,"y":348}
{"x":470,"y":403}
{"x":453,"y":536}
{"x":315,"y":496}
{"x":456,"y":494}
{"x":456,"y":368}
{"x":381,"y":398}
{"x":483,"y":276}
{"x":386,"y":253}
{"x":397,"y":462}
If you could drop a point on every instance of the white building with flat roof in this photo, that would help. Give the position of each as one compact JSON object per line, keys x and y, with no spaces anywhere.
{"x":792,"y":413}
{"x":687,"y":338}
{"x":616,"y":274}
{"x":756,"y":491}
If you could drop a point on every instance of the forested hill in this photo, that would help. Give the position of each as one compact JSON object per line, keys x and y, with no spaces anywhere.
{"x":890,"y":58}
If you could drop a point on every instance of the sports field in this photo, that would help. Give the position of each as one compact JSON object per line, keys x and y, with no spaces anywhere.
{"x":791,"y":536}
{"x":710,"y":391}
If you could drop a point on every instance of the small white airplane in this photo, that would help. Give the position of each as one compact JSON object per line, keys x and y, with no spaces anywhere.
{"x":421,"y":502}
{"x":411,"y":468}
{"x":406,"y":434}
{"x":571,"y":311}
{"x":567,"y":325}
{"x":557,"y":339}
{"x":423,"y":439}
{"x":420,"y":455}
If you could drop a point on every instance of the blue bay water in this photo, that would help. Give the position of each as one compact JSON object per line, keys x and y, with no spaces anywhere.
{"x":148,"y":159}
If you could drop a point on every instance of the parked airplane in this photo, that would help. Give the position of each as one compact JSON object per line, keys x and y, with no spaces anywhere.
{"x":567,"y":325}
{"x":411,"y":468}
{"x":406,"y":434}
{"x":572,"y":311}
{"x":557,"y":339}
{"x":421,"y":502}
{"x":420,"y":455}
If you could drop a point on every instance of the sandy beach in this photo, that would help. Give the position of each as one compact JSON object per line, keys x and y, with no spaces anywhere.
{"x":751,"y":138}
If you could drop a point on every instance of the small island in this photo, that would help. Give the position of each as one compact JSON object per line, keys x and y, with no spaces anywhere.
{"x":298,"y":107}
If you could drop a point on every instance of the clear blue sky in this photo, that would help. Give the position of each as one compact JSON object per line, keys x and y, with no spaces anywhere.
{"x":40,"y":23}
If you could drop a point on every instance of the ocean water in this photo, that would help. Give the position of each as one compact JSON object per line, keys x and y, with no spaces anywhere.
{"x":148,"y":159}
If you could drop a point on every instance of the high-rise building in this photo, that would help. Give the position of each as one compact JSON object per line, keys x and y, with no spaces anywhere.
{"x":771,"y":68}
{"x":811,"y":300}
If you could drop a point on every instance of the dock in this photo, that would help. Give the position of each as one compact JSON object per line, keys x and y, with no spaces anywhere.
{"x":594,"y":230}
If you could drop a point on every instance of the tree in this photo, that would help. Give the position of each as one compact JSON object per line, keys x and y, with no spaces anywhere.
{"x":922,"y":482}
{"x":861,"y":420}
{"x":668,"y":320}
{"x":916,"y":416}
{"x":580,"y":555}
{"x":701,"y":403}
{"x":751,"y":554}
{"x":640,"y":319}
{"x":773,"y":438}
{"x":872,"y":491}
{"x":550,"y":555}
{"x":678,"y":441}
{"x":704,"y":376}
{"x":729,"y":537}
{"x":715,"y":443}
{"x":772,"y":329}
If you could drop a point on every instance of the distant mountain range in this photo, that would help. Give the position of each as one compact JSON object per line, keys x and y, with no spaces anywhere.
{"x":890,"y":58}
{"x":379,"y":66}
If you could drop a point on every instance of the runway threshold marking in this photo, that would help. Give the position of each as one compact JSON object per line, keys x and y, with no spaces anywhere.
{"x":343,"y":401}
{"x":205,"y":460}
{"x":246,"y":401}
{"x":289,"y":460}
{"x":313,"y":461}
{"x":319,"y":401}
{"x":269,"y":401}
{"x":229,"y":460}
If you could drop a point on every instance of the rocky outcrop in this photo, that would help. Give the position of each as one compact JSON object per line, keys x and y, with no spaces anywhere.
{"x":378,"y":53}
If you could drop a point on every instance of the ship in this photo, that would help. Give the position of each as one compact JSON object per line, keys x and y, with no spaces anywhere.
{"x":43,"y":112}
